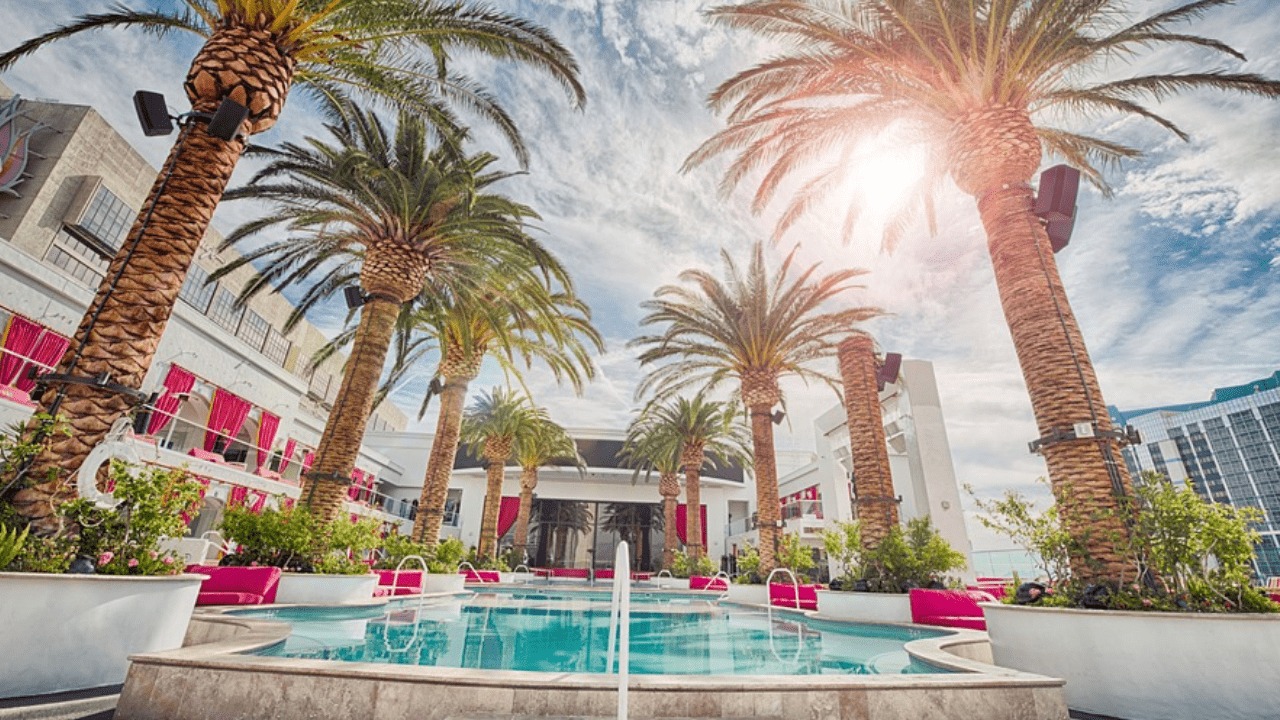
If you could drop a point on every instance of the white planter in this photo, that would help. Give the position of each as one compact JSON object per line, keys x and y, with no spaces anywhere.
{"x":864,"y":606}
{"x":316,"y":589}
{"x":72,"y":632}
{"x":672,"y":583}
{"x":444,"y":583}
{"x":749,"y":594}
{"x":1147,"y":666}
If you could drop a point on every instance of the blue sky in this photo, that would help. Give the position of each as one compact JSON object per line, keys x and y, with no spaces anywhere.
{"x":1174,"y":281}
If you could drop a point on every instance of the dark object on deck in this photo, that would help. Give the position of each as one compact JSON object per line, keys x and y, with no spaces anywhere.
{"x":1029,"y":593}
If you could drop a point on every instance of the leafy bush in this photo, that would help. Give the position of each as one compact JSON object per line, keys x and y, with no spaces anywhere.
{"x":792,"y":554}
{"x":484,"y":562}
{"x":749,"y":567}
{"x":446,"y":557}
{"x":295,"y":540}
{"x":915,"y":557}
{"x":683,"y":566}
{"x":1184,"y":553}
{"x":843,"y":543}
{"x":397,"y":547}
{"x":124,"y":540}
{"x":1041,"y":533}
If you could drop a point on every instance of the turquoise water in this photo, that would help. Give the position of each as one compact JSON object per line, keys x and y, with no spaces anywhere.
{"x":568,"y":632}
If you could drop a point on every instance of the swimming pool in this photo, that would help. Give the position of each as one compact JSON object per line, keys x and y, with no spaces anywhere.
{"x":567,"y":632}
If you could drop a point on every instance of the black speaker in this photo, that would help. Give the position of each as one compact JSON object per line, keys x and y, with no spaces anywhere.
{"x":153,"y":116}
{"x":353,"y":296}
{"x":889,"y":369}
{"x":1059,"y":232}
{"x":143,"y":417}
{"x":1056,"y":200}
{"x":226,"y":122}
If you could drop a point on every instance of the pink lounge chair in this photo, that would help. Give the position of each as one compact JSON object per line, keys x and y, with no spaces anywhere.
{"x":408,"y":582}
{"x":641,"y":576}
{"x":705,"y":582}
{"x":949,"y":608}
{"x":604,"y":574}
{"x":784,"y":595}
{"x":571,"y":573}
{"x":481,"y":576}
{"x":237,"y":585}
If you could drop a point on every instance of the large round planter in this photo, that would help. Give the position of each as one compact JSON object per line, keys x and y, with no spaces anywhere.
{"x":316,"y":589}
{"x":864,"y":606}
{"x":73,"y":632}
{"x":749,"y":594}
{"x":1146,"y":666}
{"x":444,"y":583}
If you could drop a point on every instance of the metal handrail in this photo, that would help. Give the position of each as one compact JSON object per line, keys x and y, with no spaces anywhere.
{"x":620,"y":623}
{"x":395,"y":583}
{"x":795,"y":585}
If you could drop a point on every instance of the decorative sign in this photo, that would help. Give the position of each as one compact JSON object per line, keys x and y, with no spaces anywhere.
{"x":15,"y":147}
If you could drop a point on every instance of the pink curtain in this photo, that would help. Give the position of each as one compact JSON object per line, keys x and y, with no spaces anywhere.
{"x":47,"y":353}
{"x":178,"y":381}
{"x":682,"y":524}
{"x":357,"y":484}
{"x":226,"y":417}
{"x":267,"y":427}
{"x":507,"y":512}
{"x":237,"y":496}
{"x":19,"y":340}
{"x":289,"y":446}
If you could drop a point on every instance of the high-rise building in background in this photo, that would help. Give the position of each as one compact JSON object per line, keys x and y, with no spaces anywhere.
{"x":1227,"y":447}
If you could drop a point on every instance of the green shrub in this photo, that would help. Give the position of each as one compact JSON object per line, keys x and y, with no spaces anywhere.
{"x":792,"y":554}
{"x":484,"y":562}
{"x":683,"y":566}
{"x":913,"y":557}
{"x":749,"y":567}
{"x":446,"y":557}
{"x":295,"y":540}
{"x":843,"y":543}
{"x":397,"y":547}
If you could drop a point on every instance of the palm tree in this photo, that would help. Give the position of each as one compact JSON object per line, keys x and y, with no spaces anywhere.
{"x":490,"y":428}
{"x":254,"y":51}
{"x":753,"y":329}
{"x":541,"y":443}
{"x":632,"y":522}
{"x":877,"y":508}
{"x":392,"y":211}
{"x":708,"y":433}
{"x":650,"y":446}
{"x":974,"y":83}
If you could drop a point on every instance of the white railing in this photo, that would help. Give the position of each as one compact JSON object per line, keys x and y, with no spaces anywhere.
{"x":620,"y":623}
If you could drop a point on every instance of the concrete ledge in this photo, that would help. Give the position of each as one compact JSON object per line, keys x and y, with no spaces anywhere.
{"x":210,"y":682}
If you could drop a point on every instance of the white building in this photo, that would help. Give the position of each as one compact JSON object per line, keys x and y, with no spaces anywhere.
{"x":77,"y":188}
{"x":924,"y":479}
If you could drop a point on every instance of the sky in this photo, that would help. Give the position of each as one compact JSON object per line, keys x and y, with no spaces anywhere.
{"x":1174,"y":281}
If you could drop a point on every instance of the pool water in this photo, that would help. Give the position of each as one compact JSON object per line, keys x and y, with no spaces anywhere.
{"x":568,"y":632}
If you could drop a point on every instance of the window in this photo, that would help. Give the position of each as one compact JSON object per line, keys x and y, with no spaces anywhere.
{"x":452,"y":505}
{"x":224,"y":310}
{"x":107,"y":217}
{"x":197,"y":291}
{"x":276,"y":348}
{"x":253,"y":329}
{"x":319,"y":384}
{"x":76,"y":258}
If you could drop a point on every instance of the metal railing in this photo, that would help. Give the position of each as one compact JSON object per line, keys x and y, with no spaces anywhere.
{"x":620,"y":623}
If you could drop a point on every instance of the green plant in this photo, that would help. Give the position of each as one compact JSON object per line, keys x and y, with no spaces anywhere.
{"x":1041,"y":533}
{"x":396,"y":547}
{"x":916,"y":556}
{"x":484,"y":562}
{"x":446,"y":557}
{"x":11,"y":542}
{"x":296,"y":540}
{"x":843,"y":543}
{"x":795,"y":556}
{"x":749,"y":567}
{"x":124,"y":540}
{"x":345,"y":544}
{"x":683,"y":566}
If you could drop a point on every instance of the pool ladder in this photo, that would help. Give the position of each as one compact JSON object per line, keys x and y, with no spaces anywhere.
{"x":795,"y":586}
{"x":620,"y":623}
{"x":417,"y":626}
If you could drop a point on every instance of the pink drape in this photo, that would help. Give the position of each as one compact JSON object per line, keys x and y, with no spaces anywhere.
{"x":226,"y":417}
{"x":307,"y":460}
{"x":507,"y":512}
{"x":267,"y":427}
{"x":289,"y":446}
{"x":28,"y":343}
{"x":357,"y":484}
{"x":682,"y":524}
{"x":178,"y":381}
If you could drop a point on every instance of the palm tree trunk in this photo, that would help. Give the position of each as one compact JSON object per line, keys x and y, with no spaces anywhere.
{"x":693,"y":512}
{"x":528,"y":481}
{"x":247,"y":66}
{"x":669,"y":487}
{"x":766,"y":471}
{"x":444,"y":451}
{"x":1086,"y":478}
{"x":492,"y":501}
{"x":877,"y":507}
{"x":325,"y":486}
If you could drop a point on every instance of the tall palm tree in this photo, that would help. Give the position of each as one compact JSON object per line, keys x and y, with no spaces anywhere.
{"x":254,"y":52}
{"x":394,"y":211}
{"x":709,"y":433}
{"x":653,"y":446}
{"x":877,"y":508}
{"x":539,"y":444}
{"x":975,"y":83}
{"x":490,"y":428}
{"x":753,"y":328}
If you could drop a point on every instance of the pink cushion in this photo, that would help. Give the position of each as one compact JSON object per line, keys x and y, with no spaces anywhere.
{"x":579,"y":573}
{"x":408,"y":580}
{"x":641,"y":576}
{"x":381,"y":591}
{"x":604,"y":574}
{"x":784,"y":595}
{"x":949,"y":608}
{"x":229,"y":598}
{"x":705,"y":582}
{"x":481,"y":576}
{"x":260,"y":580}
